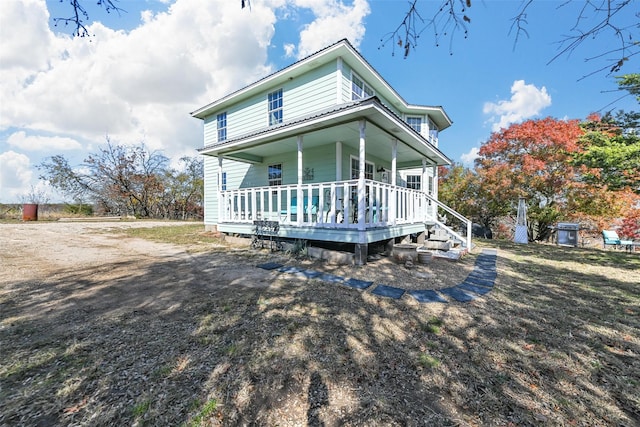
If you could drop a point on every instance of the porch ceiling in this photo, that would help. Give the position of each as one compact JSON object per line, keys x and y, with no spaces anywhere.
{"x":382,"y":127}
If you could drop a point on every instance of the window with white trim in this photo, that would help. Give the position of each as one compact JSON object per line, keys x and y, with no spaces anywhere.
{"x":275,"y":107}
{"x":355,"y":169}
{"x":223,"y":184}
{"x":414,"y":182}
{"x":275,"y":174}
{"x":222,"y":126}
{"x":433,"y":129}
{"x":359,"y":89}
{"x":415,"y":123}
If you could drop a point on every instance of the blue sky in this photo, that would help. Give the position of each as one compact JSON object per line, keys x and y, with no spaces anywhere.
{"x":143,"y":71}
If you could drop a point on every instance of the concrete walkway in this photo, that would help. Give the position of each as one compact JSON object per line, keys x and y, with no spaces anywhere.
{"x":479,"y":282}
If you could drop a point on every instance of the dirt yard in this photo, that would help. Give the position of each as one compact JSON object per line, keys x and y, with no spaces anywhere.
{"x":99,"y":328}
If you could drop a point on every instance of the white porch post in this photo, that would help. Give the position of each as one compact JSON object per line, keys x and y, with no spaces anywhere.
{"x":299,"y":201}
{"x":219,"y":191}
{"x":361,"y":175}
{"x":424,"y":187}
{"x":393,"y":196}
{"x":338,"y":174}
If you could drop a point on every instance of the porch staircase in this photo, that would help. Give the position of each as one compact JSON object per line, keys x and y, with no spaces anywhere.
{"x":442,"y":239}
{"x":444,"y":242}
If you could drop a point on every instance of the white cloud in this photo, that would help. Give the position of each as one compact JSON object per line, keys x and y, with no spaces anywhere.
{"x":469,"y":157}
{"x":526,"y":101}
{"x":42,"y":143}
{"x":133,"y":84}
{"x":22,"y":44}
{"x":289,"y":49}
{"x":140,"y":85}
{"x":334,"y":21}
{"x":15,"y":175}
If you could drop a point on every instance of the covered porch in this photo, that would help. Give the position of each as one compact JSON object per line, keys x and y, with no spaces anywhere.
{"x":318,"y":211}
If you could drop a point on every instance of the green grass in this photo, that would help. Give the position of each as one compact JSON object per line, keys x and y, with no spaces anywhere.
{"x":433,"y":325}
{"x":207,"y":410}
{"x":428,"y":361}
{"x":141,"y":408}
{"x":192,"y":235}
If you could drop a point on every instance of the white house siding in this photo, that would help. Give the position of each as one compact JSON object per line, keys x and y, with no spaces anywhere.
{"x":210,"y":125}
{"x":210,"y":189}
{"x":314,"y":91}
{"x":310,"y":93}
{"x":235,"y":171}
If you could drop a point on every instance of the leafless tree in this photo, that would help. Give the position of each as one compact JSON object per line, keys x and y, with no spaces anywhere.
{"x":453,"y":17}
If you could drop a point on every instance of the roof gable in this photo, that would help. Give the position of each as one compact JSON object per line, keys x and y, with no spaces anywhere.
{"x":342,"y":49}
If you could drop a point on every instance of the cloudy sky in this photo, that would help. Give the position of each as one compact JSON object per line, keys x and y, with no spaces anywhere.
{"x":142,"y":71}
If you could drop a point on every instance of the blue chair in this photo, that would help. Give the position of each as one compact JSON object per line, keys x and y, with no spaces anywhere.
{"x":293,"y":208}
{"x":610,"y":237}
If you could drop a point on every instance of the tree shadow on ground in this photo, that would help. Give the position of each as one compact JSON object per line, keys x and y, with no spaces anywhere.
{"x":196,"y":341}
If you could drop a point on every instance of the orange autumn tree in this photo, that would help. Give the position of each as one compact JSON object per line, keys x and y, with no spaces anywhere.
{"x":533,"y":160}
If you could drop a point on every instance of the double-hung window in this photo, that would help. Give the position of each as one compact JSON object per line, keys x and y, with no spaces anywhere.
{"x":359,"y":89}
{"x":355,"y":169}
{"x":275,"y":174}
{"x":415,"y":123}
{"x":433,"y":131}
{"x":222,"y":126}
{"x":414,"y":181}
{"x":223,"y":184}
{"x":275,"y":107}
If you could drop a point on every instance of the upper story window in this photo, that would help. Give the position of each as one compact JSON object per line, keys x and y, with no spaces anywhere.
{"x":222,"y":126}
{"x":415,"y":123}
{"x":275,"y":107}
{"x":359,"y":89}
{"x":414,"y":182}
{"x":275,"y":174}
{"x":433,"y":130}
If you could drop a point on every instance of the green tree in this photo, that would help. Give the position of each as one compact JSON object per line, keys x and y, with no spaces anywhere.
{"x":611,"y":151}
{"x":461,"y":188}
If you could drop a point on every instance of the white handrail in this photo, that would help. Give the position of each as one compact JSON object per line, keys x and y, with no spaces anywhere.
{"x":333,"y":204}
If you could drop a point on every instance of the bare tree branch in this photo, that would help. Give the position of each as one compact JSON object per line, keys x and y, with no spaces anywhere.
{"x":80,"y":15}
{"x":452,"y":17}
{"x":445,"y":22}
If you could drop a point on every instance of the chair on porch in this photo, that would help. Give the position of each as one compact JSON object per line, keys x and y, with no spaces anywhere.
{"x":313,"y":209}
{"x":610,"y":237}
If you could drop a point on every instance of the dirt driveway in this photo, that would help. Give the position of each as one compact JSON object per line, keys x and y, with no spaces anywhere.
{"x":99,"y":328}
{"x":66,"y":287}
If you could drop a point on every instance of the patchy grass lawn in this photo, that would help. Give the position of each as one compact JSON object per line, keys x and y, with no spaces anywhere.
{"x":209,"y":339}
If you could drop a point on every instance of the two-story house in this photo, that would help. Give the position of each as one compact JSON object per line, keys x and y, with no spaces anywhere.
{"x":330,"y":150}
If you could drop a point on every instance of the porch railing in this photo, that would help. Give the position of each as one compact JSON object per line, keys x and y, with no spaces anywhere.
{"x":326,"y":204}
{"x":335,"y":204}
